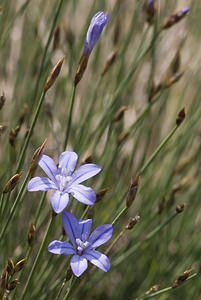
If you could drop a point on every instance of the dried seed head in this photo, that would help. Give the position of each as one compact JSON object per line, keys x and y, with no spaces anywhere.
{"x":153,"y":289}
{"x":182,"y":278}
{"x":36,"y":158}
{"x":132,"y":222}
{"x":122,"y":137}
{"x":12,"y":285}
{"x":154,"y":89}
{"x":20,"y":264}
{"x":57,"y":36}
{"x":101,"y":194}
{"x":181,"y":116}
{"x":31,"y":235}
{"x":10,"y":185}
{"x":69,"y":274}
{"x":119,"y":114}
{"x":81,"y":68}
{"x":132,"y":191}
{"x":111,"y":59}
{"x":13,"y":135}
{"x":180,"y":208}
{"x":53,"y":75}
{"x":176,"y":62}
{"x":10,"y":267}
{"x":2,"y":100}
{"x":150,"y":10}
{"x":175,"y":18}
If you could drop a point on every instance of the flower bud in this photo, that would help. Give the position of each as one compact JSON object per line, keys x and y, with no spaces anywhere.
{"x":10,"y":185}
{"x":53,"y":75}
{"x":96,"y":26}
{"x":81,"y":68}
{"x":132,"y":191}
{"x":119,"y":114}
{"x":31,"y":235}
{"x":36,"y":158}
{"x":150,"y":10}
{"x":111,"y":59}
{"x":175,"y":18}
{"x":180,"y":208}
{"x":69,"y":274}
{"x":181,"y":116}
{"x":132,"y":222}
{"x":4,"y":281}
{"x":182,"y":278}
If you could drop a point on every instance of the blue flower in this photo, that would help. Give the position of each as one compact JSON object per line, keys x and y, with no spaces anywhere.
{"x":96,"y":26}
{"x":83,"y":244}
{"x":64,"y":180}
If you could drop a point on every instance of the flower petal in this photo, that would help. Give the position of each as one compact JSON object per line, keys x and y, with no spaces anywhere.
{"x":85,"y":228}
{"x":48,"y":165}
{"x":83,"y":194}
{"x":68,"y":160}
{"x":71,"y":226}
{"x":78,"y":265}
{"x":100,"y":235}
{"x":99,"y":259}
{"x":58,"y":247}
{"x":85,"y":172}
{"x":59,"y":201}
{"x":40,"y":184}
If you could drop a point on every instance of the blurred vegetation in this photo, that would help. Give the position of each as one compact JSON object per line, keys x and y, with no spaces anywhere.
{"x":34,"y":35}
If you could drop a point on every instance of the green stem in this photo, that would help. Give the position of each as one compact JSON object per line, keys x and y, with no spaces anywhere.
{"x":160,"y":147}
{"x":168,"y":289}
{"x":131,"y":250}
{"x":68,"y":127}
{"x":69,"y":288}
{"x":58,"y":9}
{"x":20,"y":12}
{"x":22,"y":154}
{"x":13,"y":208}
{"x":119,"y":215}
{"x":1,"y":204}
{"x":37,"y":260}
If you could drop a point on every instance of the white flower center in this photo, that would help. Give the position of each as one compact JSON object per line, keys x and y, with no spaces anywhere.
{"x":81,"y":246}
{"x":63,"y":179}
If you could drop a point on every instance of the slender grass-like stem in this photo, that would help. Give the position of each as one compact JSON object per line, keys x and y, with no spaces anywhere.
{"x":1,"y":204}
{"x":69,"y":121}
{"x":13,"y":208}
{"x":25,"y":145}
{"x":37,"y":260}
{"x":119,"y":215}
{"x":57,"y":12}
{"x":156,"y":152}
{"x":131,"y":250}
{"x":71,"y":283}
{"x":168,"y":289}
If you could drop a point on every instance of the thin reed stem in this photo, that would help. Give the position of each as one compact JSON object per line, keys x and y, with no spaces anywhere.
{"x":13,"y":208}
{"x":71,"y":283}
{"x":37,"y":260}
{"x":69,"y":120}
{"x":25,"y":145}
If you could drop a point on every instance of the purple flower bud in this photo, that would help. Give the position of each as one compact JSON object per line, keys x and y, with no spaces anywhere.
{"x":96,"y":26}
{"x":150,"y":3}
{"x":183,"y":11}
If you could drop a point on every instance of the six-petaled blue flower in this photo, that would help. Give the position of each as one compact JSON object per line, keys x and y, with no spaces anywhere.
{"x":83,"y":244}
{"x":96,"y":26}
{"x":64,"y":180}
